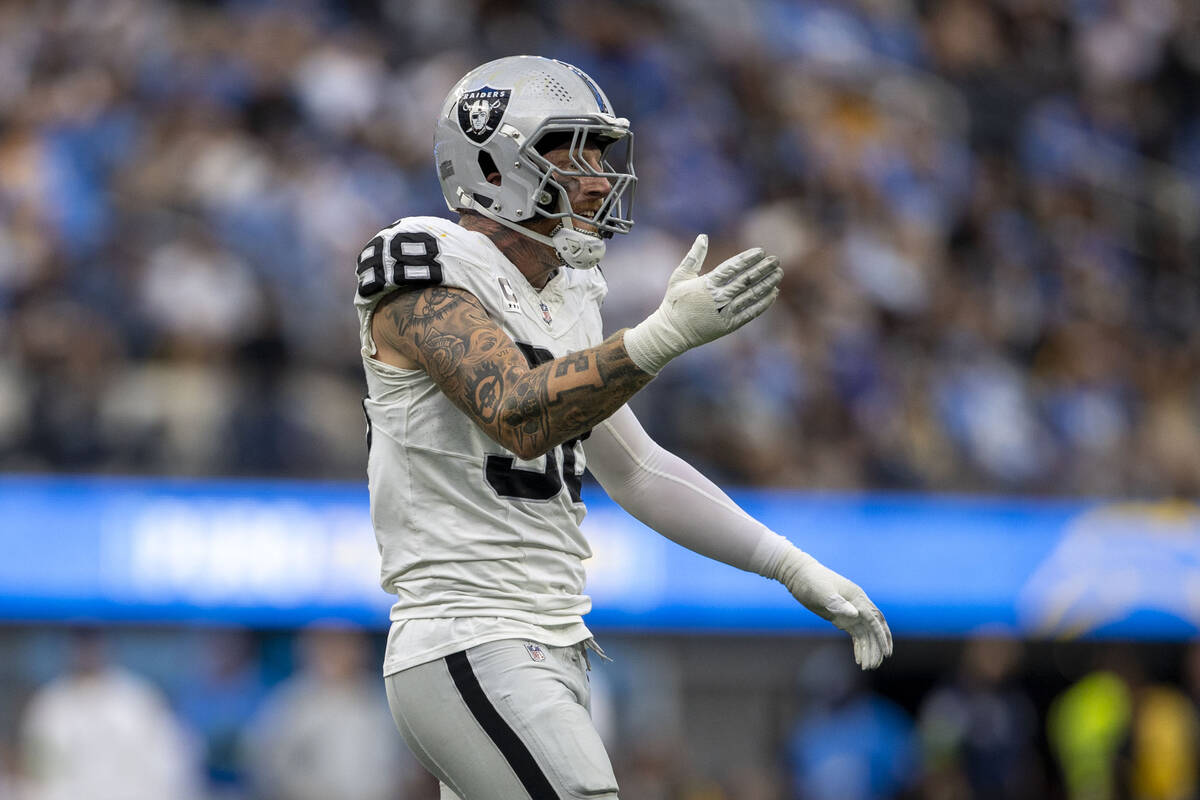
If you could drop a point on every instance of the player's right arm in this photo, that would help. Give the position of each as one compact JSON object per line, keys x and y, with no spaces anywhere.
{"x":448,"y":333}
{"x":529,"y":410}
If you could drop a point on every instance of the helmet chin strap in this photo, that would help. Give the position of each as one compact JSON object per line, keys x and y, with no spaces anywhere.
{"x":577,"y":249}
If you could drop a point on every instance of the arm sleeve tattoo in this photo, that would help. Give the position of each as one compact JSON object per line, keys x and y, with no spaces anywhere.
{"x":526,"y":409}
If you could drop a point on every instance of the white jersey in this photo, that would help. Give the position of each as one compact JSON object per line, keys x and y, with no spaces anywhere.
{"x":477,"y":544}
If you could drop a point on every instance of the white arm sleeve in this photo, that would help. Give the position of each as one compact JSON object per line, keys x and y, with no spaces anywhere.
{"x":668,"y":494}
{"x":672,"y":497}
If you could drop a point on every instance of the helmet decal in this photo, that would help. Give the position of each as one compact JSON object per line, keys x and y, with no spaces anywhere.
{"x":480,"y":111}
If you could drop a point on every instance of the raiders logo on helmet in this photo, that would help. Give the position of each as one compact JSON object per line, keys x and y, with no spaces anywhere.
{"x":480,"y":111}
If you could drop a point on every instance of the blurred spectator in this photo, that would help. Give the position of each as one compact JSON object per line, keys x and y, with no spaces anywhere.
{"x":979,"y":733}
{"x":1088,"y":727}
{"x":1118,"y":735}
{"x":849,"y":743}
{"x":1165,"y":741}
{"x":327,"y":732}
{"x":1190,"y":672}
{"x":217,"y":705}
{"x":102,"y":732}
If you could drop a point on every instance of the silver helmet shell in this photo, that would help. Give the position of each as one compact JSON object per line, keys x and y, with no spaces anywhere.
{"x":495,"y":119}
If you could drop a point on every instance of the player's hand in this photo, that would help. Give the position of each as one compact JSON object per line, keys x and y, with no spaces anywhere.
{"x":841,"y":601}
{"x":699,"y":308}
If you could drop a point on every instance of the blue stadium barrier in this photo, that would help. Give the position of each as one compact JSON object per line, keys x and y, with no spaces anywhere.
{"x":288,"y":553}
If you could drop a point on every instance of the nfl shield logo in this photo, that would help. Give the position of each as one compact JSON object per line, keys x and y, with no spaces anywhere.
{"x":535,"y":651}
{"x":480,"y":111}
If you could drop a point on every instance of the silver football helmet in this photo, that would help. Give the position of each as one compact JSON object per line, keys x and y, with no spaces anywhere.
{"x":502,"y":118}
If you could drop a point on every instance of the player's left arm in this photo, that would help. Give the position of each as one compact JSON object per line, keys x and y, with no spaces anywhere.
{"x":672,"y":497}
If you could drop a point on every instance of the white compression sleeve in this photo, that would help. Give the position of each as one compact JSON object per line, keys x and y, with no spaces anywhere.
{"x":672,"y":497}
{"x":665,"y":492}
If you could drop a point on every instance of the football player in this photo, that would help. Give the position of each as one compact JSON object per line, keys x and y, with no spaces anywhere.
{"x":491,"y":387}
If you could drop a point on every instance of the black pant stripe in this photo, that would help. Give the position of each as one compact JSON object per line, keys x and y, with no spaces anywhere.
{"x":504,"y":737}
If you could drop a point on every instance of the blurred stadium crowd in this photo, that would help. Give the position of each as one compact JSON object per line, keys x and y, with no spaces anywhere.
{"x":230,"y":715}
{"x":987,"y":211}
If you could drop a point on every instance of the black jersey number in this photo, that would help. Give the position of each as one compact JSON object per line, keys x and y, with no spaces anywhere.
{"x":416,"y":262}
{"x":513,"y":482}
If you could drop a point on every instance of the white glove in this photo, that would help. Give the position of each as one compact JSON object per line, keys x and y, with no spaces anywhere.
{"x":841,"y":601}
{"x":699,"y":308}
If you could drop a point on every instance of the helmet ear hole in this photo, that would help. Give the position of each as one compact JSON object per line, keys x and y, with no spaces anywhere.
{"x":488,"y":164}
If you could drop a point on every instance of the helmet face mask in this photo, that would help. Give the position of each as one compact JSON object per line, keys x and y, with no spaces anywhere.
{"x":515,"y":110}
{"x":615,"y":214}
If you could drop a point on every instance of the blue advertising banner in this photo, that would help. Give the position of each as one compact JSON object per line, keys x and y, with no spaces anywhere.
{"x":287,"y":553}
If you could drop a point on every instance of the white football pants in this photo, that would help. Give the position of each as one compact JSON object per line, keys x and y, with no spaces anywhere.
{"x":506,"y":720}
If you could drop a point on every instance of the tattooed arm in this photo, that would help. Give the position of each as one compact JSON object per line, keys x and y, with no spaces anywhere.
{"x":448,"y":333}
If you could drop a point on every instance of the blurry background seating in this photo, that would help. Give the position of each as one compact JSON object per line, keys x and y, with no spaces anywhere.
{"x":987,"y":210}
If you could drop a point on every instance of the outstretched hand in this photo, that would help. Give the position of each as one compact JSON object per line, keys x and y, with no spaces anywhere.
{"x":841,"y":601}
{"x":700,"y":308}
{"x":741,"y":287}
